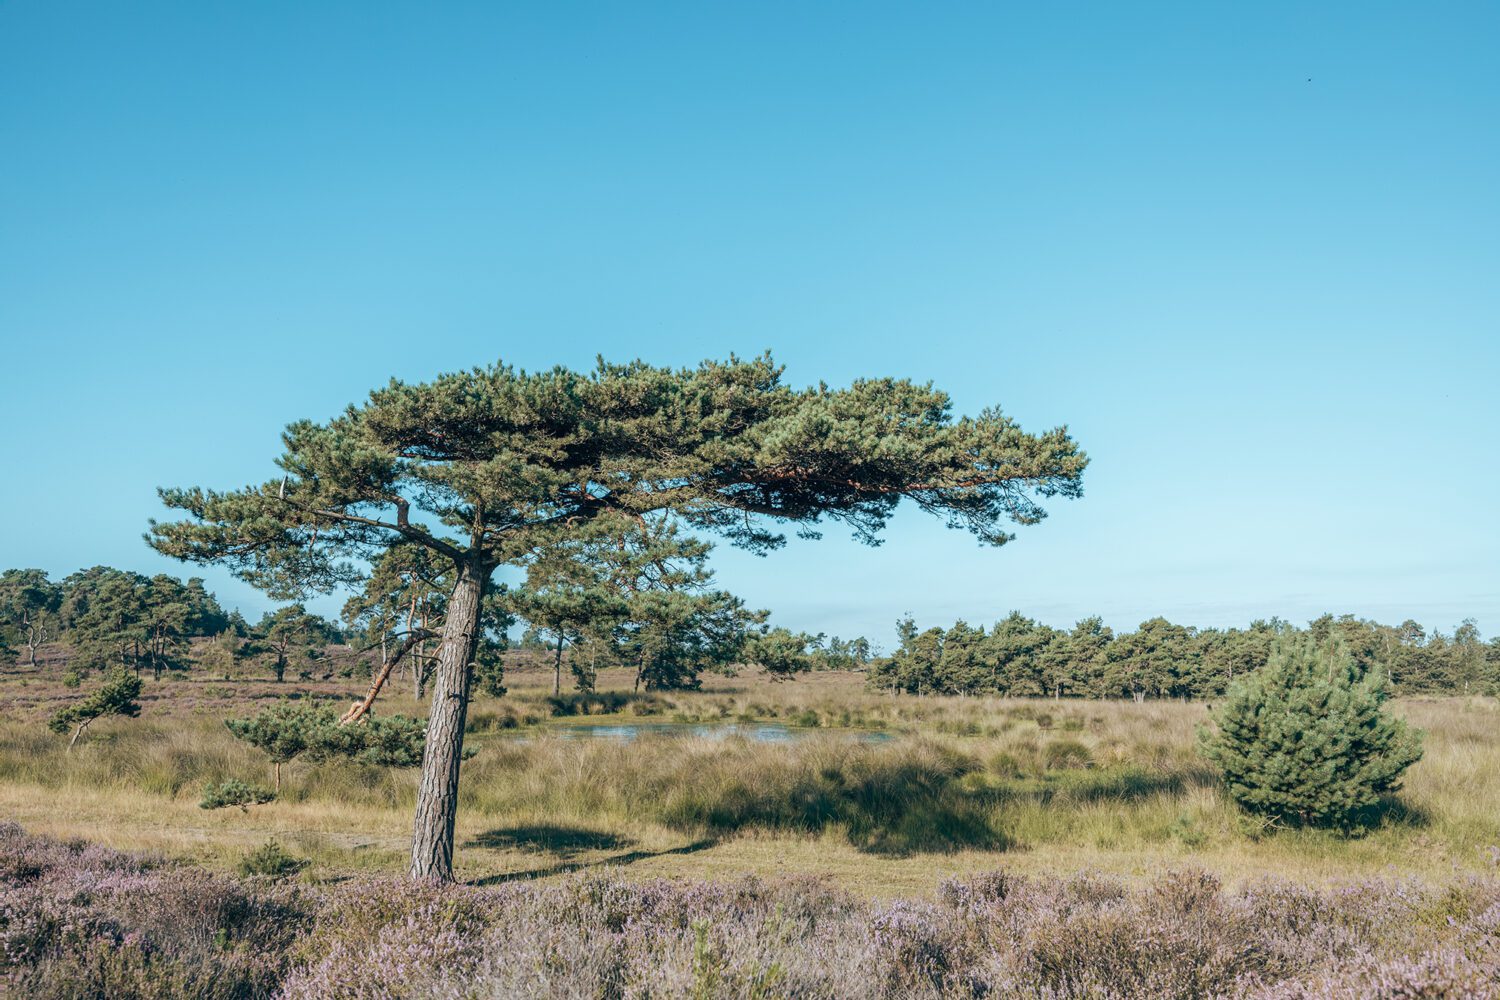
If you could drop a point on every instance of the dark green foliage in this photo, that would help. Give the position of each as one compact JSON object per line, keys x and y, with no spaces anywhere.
{"x":392,"y":741}
{"x":107,"y":617}
{"x":291,"y":636}
{"x":833,"y":653}
{"x":402,"y":606}
{"x":29,"y":605}
{"x":270,"y":860}
{"x":780,"y":652}
{"x":523,"y":451}
{"x":234,"y":793}
{"x":385,"y":741}
{"x":784,"y":653}
{"x":115,"y":695}
{"x":114,"y":617}
{"x":291,"y":729}
{"x":1157,"y":660}
{"x":635,"y":591}
{"x":285,"y":730}
{"x":675,"y":635}
{"x":1020,"y":657}
{"x":1305,"y":739}
{"x":489,"y":672}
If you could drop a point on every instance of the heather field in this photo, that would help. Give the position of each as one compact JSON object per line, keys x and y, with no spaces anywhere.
{"x":83,"y":921}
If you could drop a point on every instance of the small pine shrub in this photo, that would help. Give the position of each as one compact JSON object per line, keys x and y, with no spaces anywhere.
{"x":271,"y":861}
{"x":116,"y":695}
{"x":1305,"y":738}
{"x":234,"y":793}
{"x":71,"y":680}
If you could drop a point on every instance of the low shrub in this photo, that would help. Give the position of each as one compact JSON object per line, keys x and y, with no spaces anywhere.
{"x":234,"y":793}
{"x":888,"y":799}
{"x":270,"y":860}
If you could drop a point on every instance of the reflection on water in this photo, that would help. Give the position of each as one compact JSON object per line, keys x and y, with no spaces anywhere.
{"x":759,"y":732}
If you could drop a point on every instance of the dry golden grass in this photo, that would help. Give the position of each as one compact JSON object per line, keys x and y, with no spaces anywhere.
{"x":965,"y":784}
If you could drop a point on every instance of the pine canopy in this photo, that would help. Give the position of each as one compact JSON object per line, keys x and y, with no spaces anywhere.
{"x":482,"y":459}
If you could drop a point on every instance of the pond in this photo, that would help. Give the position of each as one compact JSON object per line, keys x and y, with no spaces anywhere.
{"x":757,"y":732}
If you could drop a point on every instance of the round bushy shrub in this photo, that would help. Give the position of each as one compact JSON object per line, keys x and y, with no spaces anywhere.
{"x":1305,"y":739}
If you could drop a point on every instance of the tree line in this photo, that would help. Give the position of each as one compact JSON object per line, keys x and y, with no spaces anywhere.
{"x":113,"y":618}
{"x":636,"y":596}
{"x":1020,"y":657}
{"x":642,"y":597}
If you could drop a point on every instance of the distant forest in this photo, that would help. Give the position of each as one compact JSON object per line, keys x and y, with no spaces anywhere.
{"x":1019,"y":657}
{"x":102,"y":617}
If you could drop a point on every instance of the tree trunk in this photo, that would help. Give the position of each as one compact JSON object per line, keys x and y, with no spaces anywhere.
{"x":557,"y":668}
{"x":76,"y":735}
{"x":276,"y":767}
{"x":437,"y":796}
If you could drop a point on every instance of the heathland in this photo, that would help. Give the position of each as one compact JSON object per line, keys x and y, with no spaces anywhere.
{"x":880,"y":794}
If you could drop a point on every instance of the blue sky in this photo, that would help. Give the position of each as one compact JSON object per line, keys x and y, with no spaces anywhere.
{"x":1248,"y":253}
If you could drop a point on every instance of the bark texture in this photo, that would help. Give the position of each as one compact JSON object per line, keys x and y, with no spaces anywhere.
{"x":437,"y":796}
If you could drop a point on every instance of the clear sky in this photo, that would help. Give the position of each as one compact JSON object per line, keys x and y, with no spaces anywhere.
{"x":1249,"y":253}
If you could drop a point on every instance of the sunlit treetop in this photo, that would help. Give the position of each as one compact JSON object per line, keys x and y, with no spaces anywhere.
{"x":473,"y":465}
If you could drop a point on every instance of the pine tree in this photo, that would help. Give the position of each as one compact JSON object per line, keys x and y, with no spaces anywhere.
{"x":779,"y":651}
{"x":1305,"y":740}
{"x":285,"y":731}
{"x":28,"y":609}
{"x":115,"y":696}
{"x":477,"y":465}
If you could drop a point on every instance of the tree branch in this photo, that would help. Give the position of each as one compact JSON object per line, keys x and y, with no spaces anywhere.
{"x":402,"y":526}
{"x":360,"y":709}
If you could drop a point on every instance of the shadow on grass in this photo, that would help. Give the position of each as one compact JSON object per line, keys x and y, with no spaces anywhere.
{"x":568,"y":867}
{"x":886,"y":804}
{"x":1122,"y":786}
{"x":1392,"y":811}
{"x":1116,"y":784}
{"x":606,"y":703}
{"x":562,"y":840}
